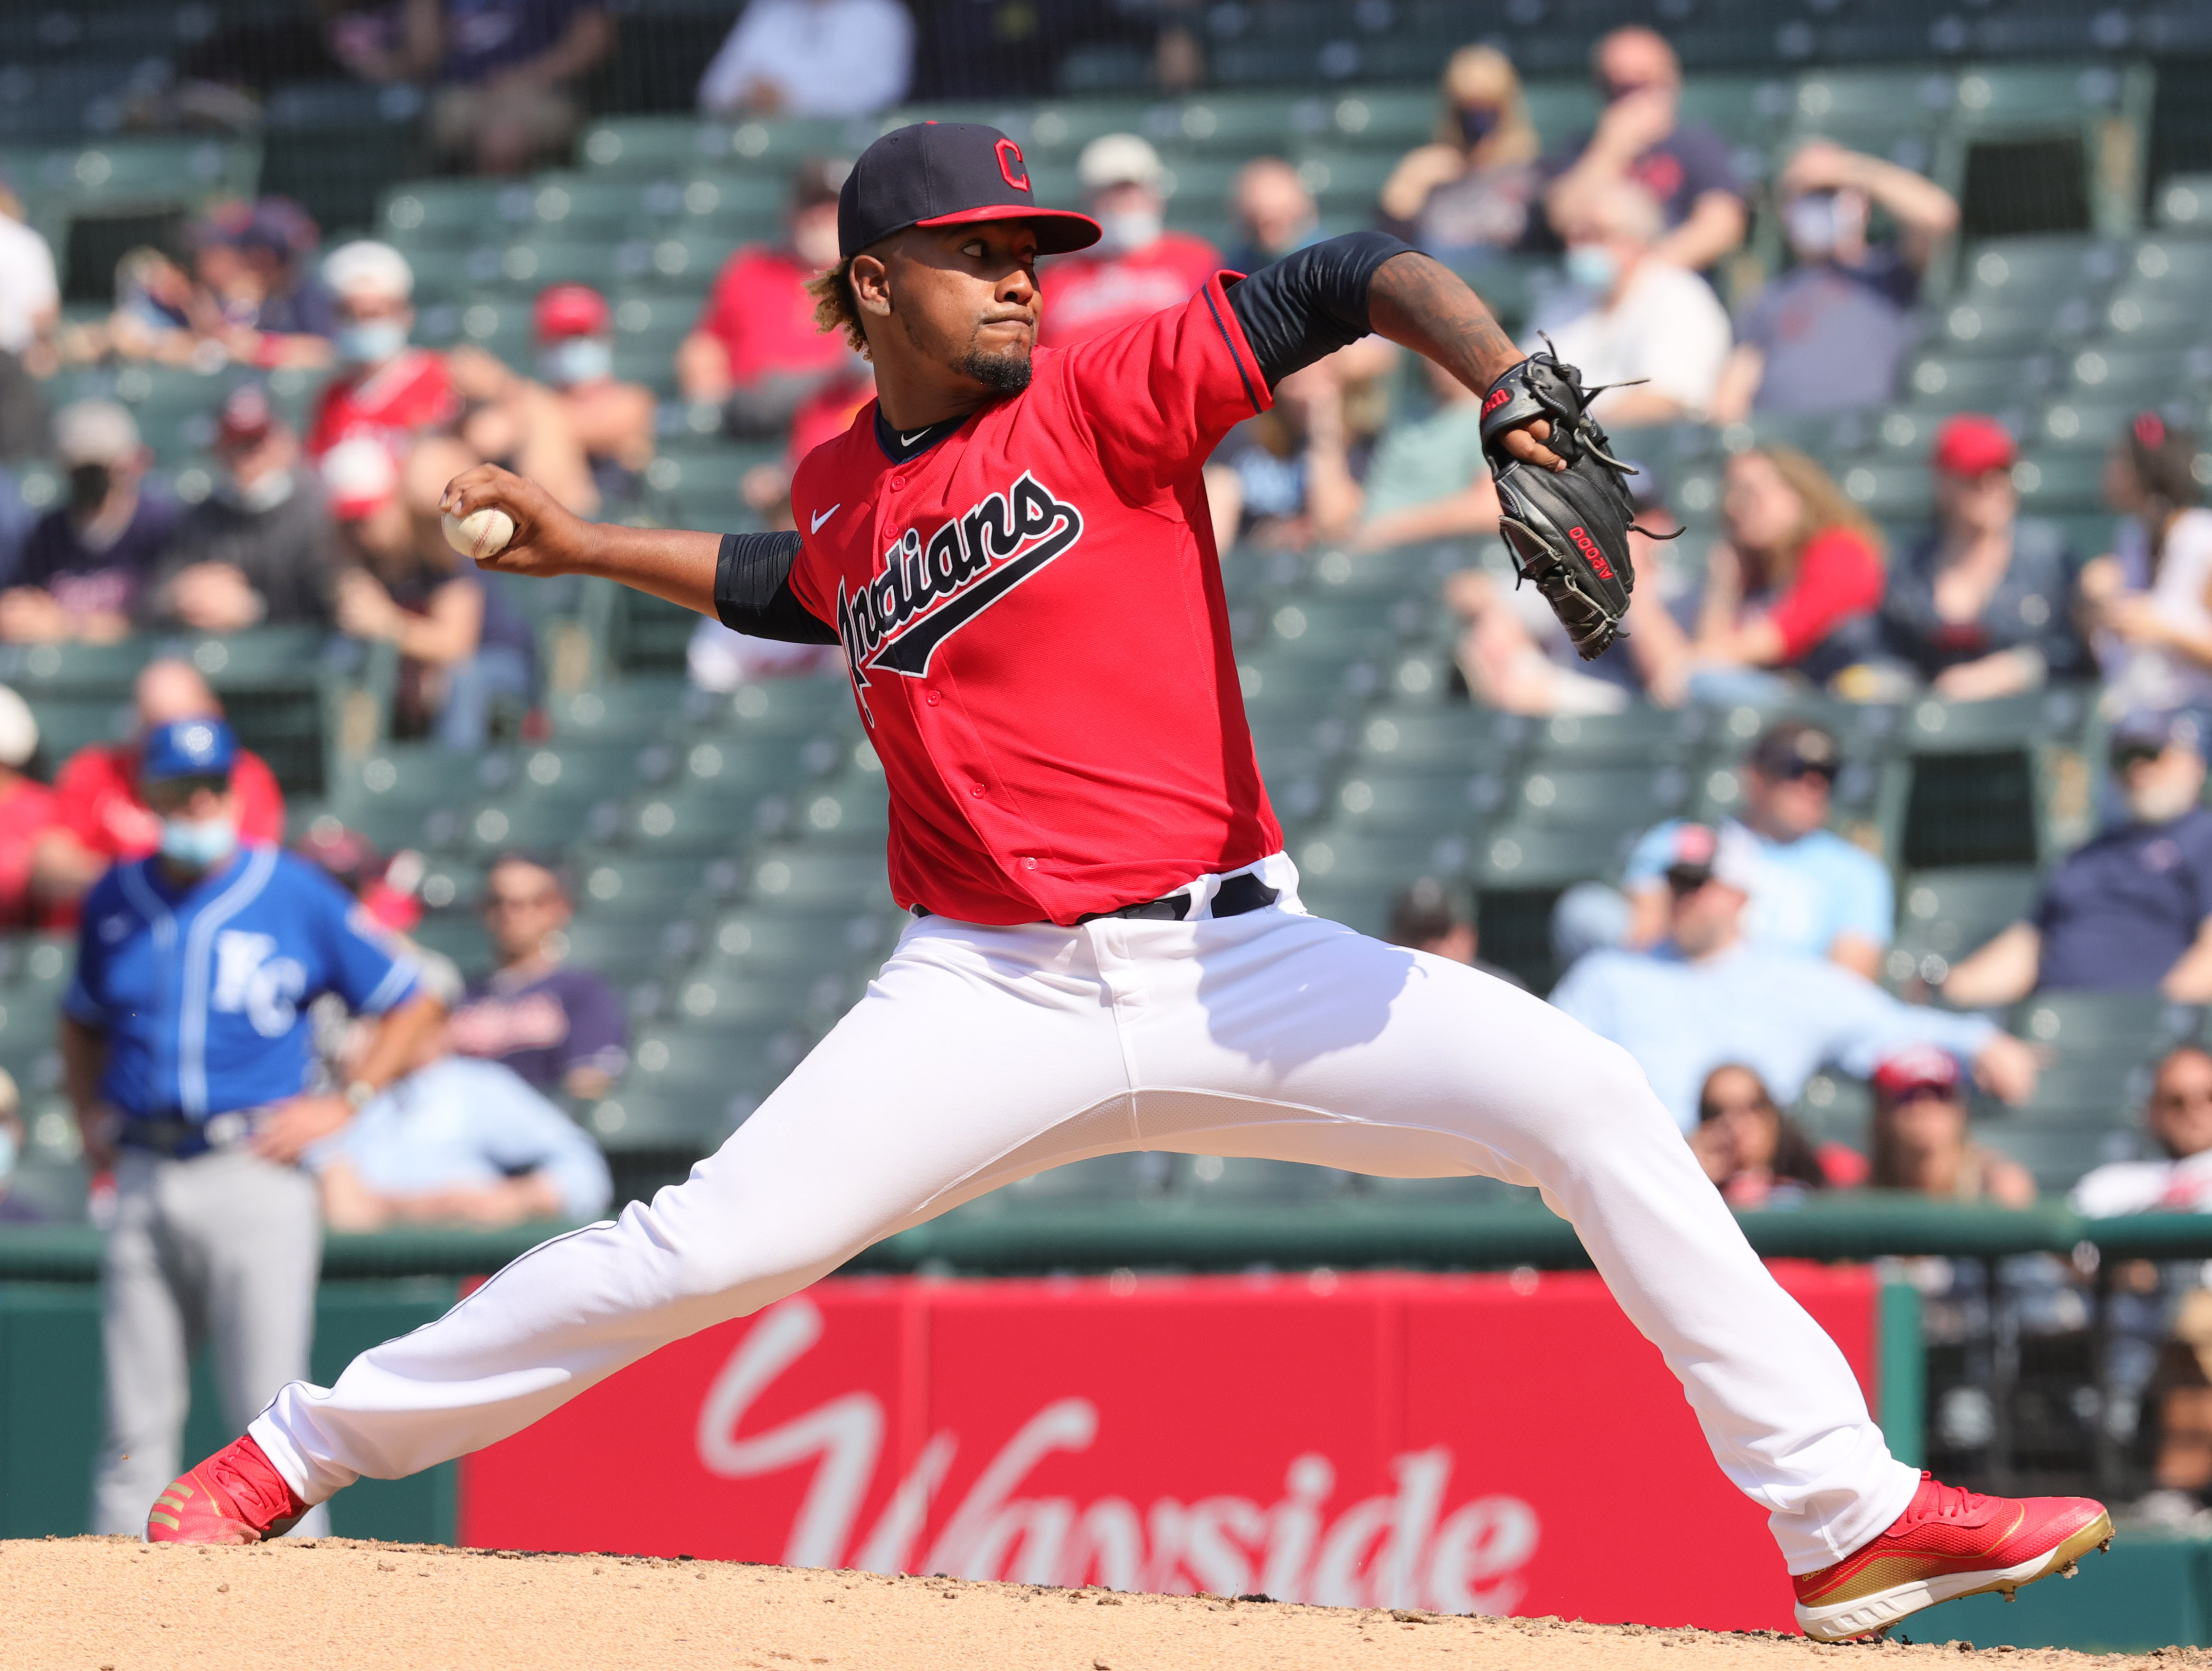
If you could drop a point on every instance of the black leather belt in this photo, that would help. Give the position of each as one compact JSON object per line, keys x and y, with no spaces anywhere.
{"x":1235,"y":896}
{"x":178,"y":1139}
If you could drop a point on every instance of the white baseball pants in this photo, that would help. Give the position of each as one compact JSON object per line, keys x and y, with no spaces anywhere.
{"x":979,"y":1055}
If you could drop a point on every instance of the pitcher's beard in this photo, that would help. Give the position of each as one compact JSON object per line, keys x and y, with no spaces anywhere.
{"x":1006,"y":372}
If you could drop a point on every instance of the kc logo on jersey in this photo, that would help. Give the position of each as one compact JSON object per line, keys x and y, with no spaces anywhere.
{"x":931,"y":588}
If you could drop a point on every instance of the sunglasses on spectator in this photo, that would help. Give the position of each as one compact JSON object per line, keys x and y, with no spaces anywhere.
{"x":2133,"y":754}
{"x":1940,"y":1093}
{"x":1739,"y":1105}
{"x":1799,"y":770}
{"x":1686,"y":879}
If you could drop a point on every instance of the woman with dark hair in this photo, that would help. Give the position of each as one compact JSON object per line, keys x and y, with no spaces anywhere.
{"x":1920,"y":1140}
{"x":1799,"y":562}
{"x":2150,"y":601}
{"x":1752,"y":1152}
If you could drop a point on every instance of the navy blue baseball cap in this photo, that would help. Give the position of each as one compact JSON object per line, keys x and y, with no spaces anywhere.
{"x":948,"y":173}
{"x":188,"y":748}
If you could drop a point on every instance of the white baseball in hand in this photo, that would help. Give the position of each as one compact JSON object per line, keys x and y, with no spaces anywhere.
{"x":478,"y":534}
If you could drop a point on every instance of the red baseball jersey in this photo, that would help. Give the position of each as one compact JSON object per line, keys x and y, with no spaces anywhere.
{"x":392,"y":404}
{"x":1032,"y":613}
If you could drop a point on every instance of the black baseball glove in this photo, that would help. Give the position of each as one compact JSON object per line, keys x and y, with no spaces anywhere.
{"x":1568,"y":530}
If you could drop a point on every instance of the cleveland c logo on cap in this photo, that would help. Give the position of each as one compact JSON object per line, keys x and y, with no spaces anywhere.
{"x":1010,"y":158}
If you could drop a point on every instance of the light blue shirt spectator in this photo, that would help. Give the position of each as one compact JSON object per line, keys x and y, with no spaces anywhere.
{"x":1780,"y":1013}
{"x":462,"y":1123}
{"x":1806,"y":892}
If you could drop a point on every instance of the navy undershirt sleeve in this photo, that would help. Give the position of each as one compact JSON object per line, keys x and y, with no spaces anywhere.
{"x":753,"y":594}
{"x":1312,"y":302}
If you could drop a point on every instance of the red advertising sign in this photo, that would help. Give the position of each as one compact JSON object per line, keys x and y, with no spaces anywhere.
{"x":1464,"y":1443}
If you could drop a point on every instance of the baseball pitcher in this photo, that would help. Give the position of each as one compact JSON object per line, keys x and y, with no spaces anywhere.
{"x":1107,"y":949}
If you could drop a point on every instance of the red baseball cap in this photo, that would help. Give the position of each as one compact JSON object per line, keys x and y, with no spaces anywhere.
{"x":1972,"y":445}
{"x":245,"y":417}
{"x":948,"y":173}
{"x":571,"y":310}
{"x":1917,"y":1067}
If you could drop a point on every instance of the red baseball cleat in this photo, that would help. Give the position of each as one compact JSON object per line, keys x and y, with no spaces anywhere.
{"x":236,"y":1496}
{"x":1949,"y":1543}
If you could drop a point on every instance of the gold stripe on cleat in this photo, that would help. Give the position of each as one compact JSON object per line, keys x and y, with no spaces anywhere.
{"x":169,"y":1521}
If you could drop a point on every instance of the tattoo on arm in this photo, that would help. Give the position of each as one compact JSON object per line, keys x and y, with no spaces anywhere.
{"x":1416,"y":301}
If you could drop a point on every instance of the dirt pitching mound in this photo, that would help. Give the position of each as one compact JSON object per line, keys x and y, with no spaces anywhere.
{"x":108,"y":1604}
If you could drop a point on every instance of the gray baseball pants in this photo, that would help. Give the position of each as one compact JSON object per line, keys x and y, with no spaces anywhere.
{"x":221,"y":1250}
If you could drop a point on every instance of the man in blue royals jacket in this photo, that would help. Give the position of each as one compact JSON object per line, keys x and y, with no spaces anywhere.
{"x":189,"y":1061}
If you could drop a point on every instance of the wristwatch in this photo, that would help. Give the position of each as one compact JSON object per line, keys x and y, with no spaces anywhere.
{"x":357,"y":1092}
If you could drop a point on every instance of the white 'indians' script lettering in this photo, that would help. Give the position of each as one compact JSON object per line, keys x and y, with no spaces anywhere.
{"x":1401,"y":1549}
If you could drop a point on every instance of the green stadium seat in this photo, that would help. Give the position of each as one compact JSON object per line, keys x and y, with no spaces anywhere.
{"x":1950,"y":913}
{"x":2016,"y":95}
{"x":1643,"y":733}
{"x":1392,"y":118}
{"x":2007,"y":327}
{"x":458,"y":936}
{"x":2106,"y":1089}
{"x":1435,"y":803}
{"x":680,"y":260}
{"x":753,"y":1059}
{"x":38,"y":966}
{"x":1956,"y":382}
{"x":1308,"y":687}
{"x":2079,"y":1025}
{"x":575,"y":205}
{"x":110,"y":174}
{"x":623,"y":949}
{"x":1346,"y":179}
{"x":1520,"y":856}
{"x":1892,"y":492}
{"x":642,"y":708}
{"x":851,"y":811}
{"x":2058,"y":1156}
{"x":658,"y":884}
{"x":761,"y":936}
{"x":682,"y":822}
{"x":2181,"y":266}
{"x":1226,"y":1181}
{"x":576,"y":772}
{"x":534,"y":261}
{"x":68,"y":723}
{"x":40,"y":670}
{"x":2089,"y":426}
{"x":691,"y":1123}
{"x":2042,"y":271}
{"x":2113,"y":370}
{"x":651,"y":146}
{"x":1607,"y":797}
{"x":775,"y":707}
{"x":2055,"y":484}
{"x":1897,"y":97}
{"x":2142,"y":314}
{"x":390,"y":797}
{"x":1935,"y":726}
{"x":449,"y":214}
{"x":1470,"y":739}
{"x":536,"y":824}
{"x":718,"y":997}
{"x":803,"y":877}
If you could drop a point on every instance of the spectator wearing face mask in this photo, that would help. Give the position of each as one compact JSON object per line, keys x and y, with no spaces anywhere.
{"x":383,"y":390}
{"x":104,"y":819}
{"x":1830,"y":335}
{"x":757,"y":351}
{"x":1139,"y":267}
{"x":1630,"y":315}
{"x":84,"y":563}
{"x":2130,"y":910}
{"x":811,"y":58}
{"x":1684,"y":166}
{"x":1705,"y":995}
{"x":2150,"y":600}
{"x":259,"y":550}
{"x":1471,"y":190}
{"x":1275,"y":214}
{"x":1983,"y":604}
{"x":573,"y":429}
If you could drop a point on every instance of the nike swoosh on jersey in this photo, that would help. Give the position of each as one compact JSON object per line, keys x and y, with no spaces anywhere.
{"x":908,"y":440}
{"x":821,"y":517}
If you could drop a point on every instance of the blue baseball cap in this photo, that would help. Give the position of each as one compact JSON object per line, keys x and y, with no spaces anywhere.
{"x":188,"y":748}
{"x":948,"y":173}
